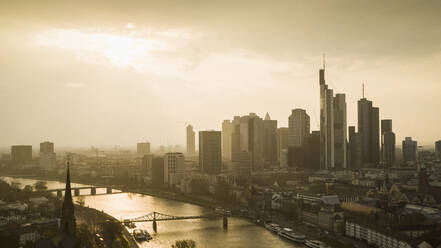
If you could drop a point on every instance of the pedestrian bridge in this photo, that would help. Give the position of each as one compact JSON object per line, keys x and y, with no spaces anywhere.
{"x":155,"y":216}
{"x":93,"y":191}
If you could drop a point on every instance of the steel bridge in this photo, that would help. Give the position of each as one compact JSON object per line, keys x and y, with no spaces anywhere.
{"x":76,"y":190}
{"x":155,"y":216}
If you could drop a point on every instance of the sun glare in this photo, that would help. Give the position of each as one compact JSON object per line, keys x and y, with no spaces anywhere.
{"x":117,"y":50}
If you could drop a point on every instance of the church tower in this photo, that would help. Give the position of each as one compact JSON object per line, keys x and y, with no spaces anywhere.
{"x":68,"y":224}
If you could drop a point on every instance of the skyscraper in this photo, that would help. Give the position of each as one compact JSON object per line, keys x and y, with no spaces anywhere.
{"x":269,"y":140}
{"x":21,"y":154}
{"x":368,"y":127}
{"x":143,"y":148}
{"x":438,"y":149}
{"x":235,"y":138}
{"x":46,"y":147}
{"x":191,"y":147}
{"x":340,"y":132}
{"x":387,"y":143}
{"x":47,"y":159}
{"x":210,"y":155}
{"x":326,"y":123}
{"x":251,"y":139}
{"x":227,"y":131}
{"x":282,"y":145}
{"x":299,"y":127}
{"x":355,"y":146}
{"x":409,"y":150}
{"x":68,"y":224}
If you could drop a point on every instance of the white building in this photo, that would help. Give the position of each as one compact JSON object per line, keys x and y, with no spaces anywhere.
{"x":373,"y":237}
{"x":47,"y":161}
{"x":173,"y":167}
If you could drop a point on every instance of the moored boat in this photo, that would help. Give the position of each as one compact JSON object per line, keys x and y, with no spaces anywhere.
{"x":273,"y":227}
{"x":288,"y":233}
{"x":315,"y":244}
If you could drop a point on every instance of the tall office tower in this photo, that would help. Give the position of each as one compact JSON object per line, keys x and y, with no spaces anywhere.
{"x":387,"y":143}
{"x":46,"y":147}
{"x":409,"y":150}
{"x":47,"y":159}
{"x":282,"y":145}
{"x":173,"y":167}
{"x":298,"y":124}
{"x":210,"y":154}
{"x":191,"y":147}
{"x":143,"y":148}
{"x":368,"y":127}
{"x":355,"y":147}
{"x":21,"y":154}
{"x":251,"y":139}
{"x":438,"y":149}
{"x":269,"y":140}
{"x":146,"y":164}
{"x":340,"y":132}
{"x":227,"y":131}
{"x":235,"y":138}
{"x":326,"y":123}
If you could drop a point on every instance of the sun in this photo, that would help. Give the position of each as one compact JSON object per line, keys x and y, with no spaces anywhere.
{"x":119,"y":50}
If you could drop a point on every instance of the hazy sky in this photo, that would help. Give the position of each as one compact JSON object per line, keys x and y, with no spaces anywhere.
{"x":83,"y":73}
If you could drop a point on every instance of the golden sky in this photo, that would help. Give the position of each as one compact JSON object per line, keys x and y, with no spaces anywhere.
{"x":83,"y":73}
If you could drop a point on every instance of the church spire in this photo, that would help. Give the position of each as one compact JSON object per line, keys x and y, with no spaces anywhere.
{"x":68,"y":224}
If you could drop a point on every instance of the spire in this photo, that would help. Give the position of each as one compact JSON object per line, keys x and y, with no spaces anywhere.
{"x":324,"y":64}
{"x":68,"y":224}
{"x":267,"y":117}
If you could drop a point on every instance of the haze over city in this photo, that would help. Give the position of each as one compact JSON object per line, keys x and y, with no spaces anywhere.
{"x":117,"y":72}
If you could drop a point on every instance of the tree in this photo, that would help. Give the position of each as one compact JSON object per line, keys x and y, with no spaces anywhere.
{"x":86,"y":236}
{"x":186,"y":243}
{"x":28,"y":189}
{"x":199,"y":186}
{"x":111,"y":230}
{"x":222,"y":191}
{"x":80,"y":201}
{"x":40,"y":186}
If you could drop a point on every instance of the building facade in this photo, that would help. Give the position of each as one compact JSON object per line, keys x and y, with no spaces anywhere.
{"x":21,"y":154}
{"x":143,"y":148}
{"x":368,"y":127}
{"x":299,"y":127}
{"x":269,"y":140}
{"x":173,"y":168}
{"x":210,"y":154}
{"x":409,"y":150}
{"x":190,"y":140}
{"x":340,"y":132}
{"x":326,"y":123}
{"x":227,"y":131}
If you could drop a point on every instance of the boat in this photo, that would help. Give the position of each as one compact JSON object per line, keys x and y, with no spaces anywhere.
{"x":288,"y":233}
{"x":141,"y":235}
{"x":316,"y":244}
{"x":273,"y":227}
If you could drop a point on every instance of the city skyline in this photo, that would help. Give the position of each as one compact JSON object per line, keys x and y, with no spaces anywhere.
{"x":104,"y":74}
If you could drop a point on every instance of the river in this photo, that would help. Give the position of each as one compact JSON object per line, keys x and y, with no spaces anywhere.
{"x":208,"y":233}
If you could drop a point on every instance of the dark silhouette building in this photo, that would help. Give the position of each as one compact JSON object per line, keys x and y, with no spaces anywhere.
{"x":210,"y":152}
{"x":368,"y":127}
{"x":387,"y":143}
{"x":305,"y":156}
{"x":157,"y":171}
{"x":68,"y":224}
{"x":269,"y":139}
{"x":409,"y":150}
{"x":21,"y":154}
{"x":438,"y":149}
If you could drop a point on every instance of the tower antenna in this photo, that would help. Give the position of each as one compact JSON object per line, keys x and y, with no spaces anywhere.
{"x":324,"y":64}
{"x":362,"y":90}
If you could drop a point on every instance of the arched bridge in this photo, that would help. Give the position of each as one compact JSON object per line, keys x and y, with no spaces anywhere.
{"x":155,"y":216}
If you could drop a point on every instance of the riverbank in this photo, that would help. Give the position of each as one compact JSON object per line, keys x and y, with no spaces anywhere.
{"x":93,"y":217}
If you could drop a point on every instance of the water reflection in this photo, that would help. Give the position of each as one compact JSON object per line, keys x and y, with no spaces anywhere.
{"x":206,"y":232}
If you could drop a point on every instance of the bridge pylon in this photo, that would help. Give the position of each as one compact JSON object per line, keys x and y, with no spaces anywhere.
{"x":225,"y":221}
{"x":154,"y":222}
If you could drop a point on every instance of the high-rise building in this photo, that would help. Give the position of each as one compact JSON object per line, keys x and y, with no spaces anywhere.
{"x":299,"y":126}
{"x":191,"y":147}
{"x":387,"y":143}
{"x":409,"y":150}
{"x":47,"y":159}
{"x":368,"y":127}
{"x":173,"y":167}
{"x":143,"y":148}
{"x":235,"y":138}
{"x":355,"y":149}
{"x":21,"y":154}
{"x":146,"y":163}
{"x":251,"y":139}
{"x":340,"y":132}
{"x":282,"y":145}
{"x":46,"y":147}
{"x":326,"y":123}
{"x":210,"y":154}
{"x":227,"y":131}
{"x":305,"y":156}
{"x":269,"y":140}
{"x":438,"y":149}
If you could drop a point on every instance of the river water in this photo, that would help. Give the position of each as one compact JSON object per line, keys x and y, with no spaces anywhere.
{"x":208,"y":233}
